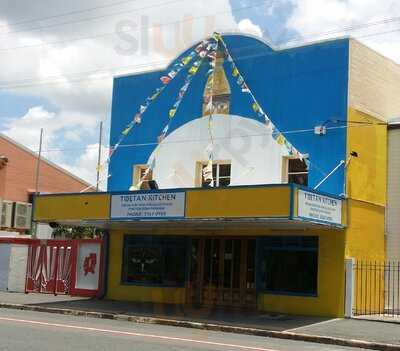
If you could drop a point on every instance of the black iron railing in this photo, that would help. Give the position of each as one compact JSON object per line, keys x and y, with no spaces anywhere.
{"x":376,"y":288}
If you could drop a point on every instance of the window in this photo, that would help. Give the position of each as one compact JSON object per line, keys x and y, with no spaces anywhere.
{"x":152,"y":260}
{"x":219,"y":177}
{"x":141,"y":176}
{"x":289,"y":265}
{"x":296,"y":171}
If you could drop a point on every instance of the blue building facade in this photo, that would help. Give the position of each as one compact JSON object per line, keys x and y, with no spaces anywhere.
{"x":299,"y":88}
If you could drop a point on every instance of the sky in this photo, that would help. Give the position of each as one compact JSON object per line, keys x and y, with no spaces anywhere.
{"x":58,"y":58}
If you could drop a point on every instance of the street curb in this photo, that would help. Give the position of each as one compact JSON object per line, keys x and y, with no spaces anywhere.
{"x":212,"y":327}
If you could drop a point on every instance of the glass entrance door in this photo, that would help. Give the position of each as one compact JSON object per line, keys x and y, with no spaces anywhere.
{"x":222,"y":272}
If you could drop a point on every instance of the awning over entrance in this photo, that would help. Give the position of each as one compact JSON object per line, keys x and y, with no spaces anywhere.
{"x":273,"y":206}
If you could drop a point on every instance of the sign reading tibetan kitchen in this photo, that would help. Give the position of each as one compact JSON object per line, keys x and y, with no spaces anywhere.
{"x":319,"y":207}
{"x":162,"y":205}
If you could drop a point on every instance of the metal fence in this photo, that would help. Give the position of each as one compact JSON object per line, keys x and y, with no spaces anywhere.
{"x":376,"y":288}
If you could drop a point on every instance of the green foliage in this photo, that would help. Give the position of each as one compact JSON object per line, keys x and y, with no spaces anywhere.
{"x":66,"y":232}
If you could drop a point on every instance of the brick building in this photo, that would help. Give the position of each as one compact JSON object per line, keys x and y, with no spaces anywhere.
{"x":18,"y":171}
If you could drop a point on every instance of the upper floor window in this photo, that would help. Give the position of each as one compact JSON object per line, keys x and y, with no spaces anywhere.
{"x":295,"y":171}
{"x":219,"y":175}
{"x":141,"y":176}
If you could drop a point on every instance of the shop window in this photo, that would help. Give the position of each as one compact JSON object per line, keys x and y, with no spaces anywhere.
{"x":295,"y":171}
{"x":154,"y":260}
{"x":218,"y":175}
{"x":141,"y":176}
{"x":289,"y":265}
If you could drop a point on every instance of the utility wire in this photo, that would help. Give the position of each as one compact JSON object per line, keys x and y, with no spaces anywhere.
{"x":75,"y":12}
{"x":299,"y":39}
{"x":298,"y":131}
{"x":240,"y":8}
{"x":349,"y":28}
{"x":40,"y":28}
{"x":158,"y":65}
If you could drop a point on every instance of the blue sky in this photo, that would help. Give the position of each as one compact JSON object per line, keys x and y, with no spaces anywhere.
{"x":60,"y":77}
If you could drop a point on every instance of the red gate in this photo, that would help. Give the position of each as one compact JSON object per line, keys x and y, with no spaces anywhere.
{"x":55,"y":266}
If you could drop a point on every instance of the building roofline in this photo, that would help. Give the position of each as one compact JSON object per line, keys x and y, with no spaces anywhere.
{"x":43,"y":159}
{"x":276,"y":48}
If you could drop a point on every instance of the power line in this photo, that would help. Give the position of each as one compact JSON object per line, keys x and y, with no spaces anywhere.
{"x":158,"y":64}
{"x":290,"y":132}
{"x":60,"y":24}
{"x":349,"y":28}
{"x":300,"y":38}
{"x":66,"y":14}
{"x":129,"y":31}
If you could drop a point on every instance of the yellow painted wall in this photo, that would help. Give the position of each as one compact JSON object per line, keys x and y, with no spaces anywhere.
{"x":331,"y":273}
{"x":366,"y":189}
{"x":330,"y":299}
{"x":72,"y":207}
{"x":238,"y":202}
{"x":365,"y":238}
{"x":118,"y":291}
{"x":365,"y":242}
{"x":366,"y":174}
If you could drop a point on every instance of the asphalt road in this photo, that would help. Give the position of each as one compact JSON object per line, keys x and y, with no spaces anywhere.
{"x":25,"y":330}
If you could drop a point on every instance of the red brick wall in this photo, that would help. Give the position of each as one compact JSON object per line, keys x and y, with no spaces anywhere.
{"x":18,"y":177}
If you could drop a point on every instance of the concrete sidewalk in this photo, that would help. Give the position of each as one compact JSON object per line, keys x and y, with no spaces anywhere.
{"x":345,"y":332}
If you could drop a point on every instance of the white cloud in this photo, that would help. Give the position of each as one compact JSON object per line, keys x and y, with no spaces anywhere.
{"x":315,"y":20}
{"x":86,"y":165}
{"x":247,"y":26}
{"x":26,"y":129}
{"x":75,"y":76}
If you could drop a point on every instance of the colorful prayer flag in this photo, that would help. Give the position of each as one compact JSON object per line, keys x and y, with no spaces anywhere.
{"x":203,"y":53}
{"x":256,"y":107}
{"x":172,"y":113}
{"x":280,"y":139}
{"x":165,"y":79}
{"x":235,"y":72}
{"x":193,"y":70}
{"x":186,"y":60}
{"x":172,"y":74}
{"x":245,"y":88}
{"x":138,"y":118}
{"x":161,"y":138}
{"x":127,"y":130}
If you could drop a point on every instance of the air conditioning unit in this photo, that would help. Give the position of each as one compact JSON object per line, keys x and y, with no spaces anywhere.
{"x":6,"y":213}
{"x":22,"y":215}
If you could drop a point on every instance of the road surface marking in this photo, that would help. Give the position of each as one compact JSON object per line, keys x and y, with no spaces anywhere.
{"x":313,"y":324}
{"x":120,"y":332}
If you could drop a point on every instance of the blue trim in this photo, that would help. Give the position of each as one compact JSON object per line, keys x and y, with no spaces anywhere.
{"x":200,"y":189}
{"x":312,"y":220}
{"x":302,"y":187}
{"x":148,"y":218}
{"x":182,"y":219}
{"x":171,"y":190}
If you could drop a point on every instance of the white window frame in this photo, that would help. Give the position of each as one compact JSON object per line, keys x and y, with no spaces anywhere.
{"x":285,"y":168}
{"x":199,"y":172}
{"x":136,"y":173}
